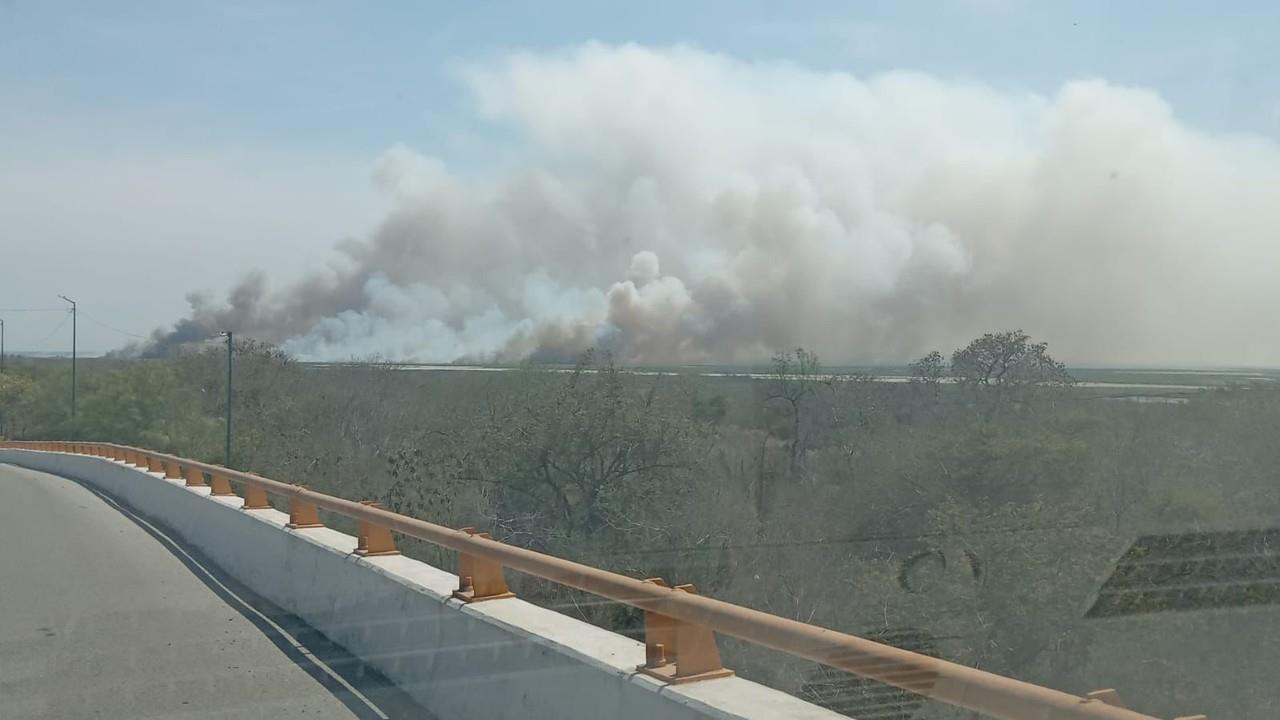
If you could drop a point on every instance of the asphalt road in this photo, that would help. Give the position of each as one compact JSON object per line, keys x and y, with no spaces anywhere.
{"x":104,"y":616}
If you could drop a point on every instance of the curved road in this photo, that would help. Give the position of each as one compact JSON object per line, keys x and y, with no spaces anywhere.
{"x":103,"y":616}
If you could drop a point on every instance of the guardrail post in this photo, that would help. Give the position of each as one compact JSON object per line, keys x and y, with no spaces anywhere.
{"x":153,"y":464}
{"x":139,"y":460}
{"x":374,"y":540}
{"x":220,"y":485}
{"x":194,"y":476}
{"x":480,"y":578}
{"x":255,"y":498}
{"x":171,"y":470}
{"x":303,"y":514}
{"x":676,"y":651}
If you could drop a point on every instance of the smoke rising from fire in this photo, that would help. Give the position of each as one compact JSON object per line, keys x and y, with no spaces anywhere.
{"x":682,"y":206}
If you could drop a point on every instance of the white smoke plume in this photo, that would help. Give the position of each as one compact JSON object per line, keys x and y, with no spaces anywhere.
{"x":683,"y":206}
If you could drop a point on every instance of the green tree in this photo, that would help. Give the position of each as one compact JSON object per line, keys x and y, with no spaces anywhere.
{"x":1006,"y":359}
{"x":794,"y":379}
{"x":930,"y":369}
{"x":591,"y":454}
{"x":1007,"y":367}
{"x":147,"y":404}
{"x":15,"y":394}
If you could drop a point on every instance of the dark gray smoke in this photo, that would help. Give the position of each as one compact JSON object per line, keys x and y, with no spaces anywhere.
{"x":683,"y":206}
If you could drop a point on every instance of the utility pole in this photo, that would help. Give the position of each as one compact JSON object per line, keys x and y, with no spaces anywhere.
{"x":227,"y":460}
{"x":73,"y":353}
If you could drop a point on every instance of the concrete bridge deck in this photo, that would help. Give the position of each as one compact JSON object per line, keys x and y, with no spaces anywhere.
{"x":102,"y":615}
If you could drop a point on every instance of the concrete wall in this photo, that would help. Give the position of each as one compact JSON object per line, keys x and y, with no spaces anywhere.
{"x":489,"y":660}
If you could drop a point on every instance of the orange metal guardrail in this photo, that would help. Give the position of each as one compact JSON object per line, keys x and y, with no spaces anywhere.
{"x":679,"y":624}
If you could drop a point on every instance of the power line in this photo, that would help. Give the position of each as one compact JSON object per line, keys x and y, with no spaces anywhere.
{"x":96,"y":321}
{"x":56,"y":328}
{"x":34,"y":310}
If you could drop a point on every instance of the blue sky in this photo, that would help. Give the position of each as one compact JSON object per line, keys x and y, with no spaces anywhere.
{"x":302,"y":97}
{"x":361,"y":75}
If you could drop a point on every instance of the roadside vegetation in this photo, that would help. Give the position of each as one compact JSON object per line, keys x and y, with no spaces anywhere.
{"x":972,"y":513}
